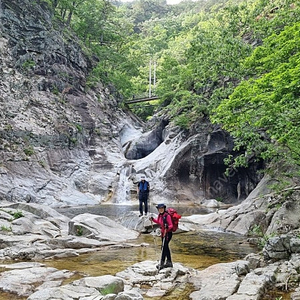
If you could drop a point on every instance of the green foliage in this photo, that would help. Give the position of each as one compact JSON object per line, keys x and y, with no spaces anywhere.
{"x":78,"y":230}
{"x":5,"y":228}
{"x":271,"y":17}
{"x":143,"y":111}
{"x":236,"y":62}
{"x":29,"y":151}
{"x":109,"y":289}
{"x":262,"y":113}
{"x":42,"y":163}
{"x":182,"y":121}
{"x":28,"y":64}
{"x":92,"y":22}
{"x":79,"y":127}
{"x":17,"y":214}
{"x":256,"y":231}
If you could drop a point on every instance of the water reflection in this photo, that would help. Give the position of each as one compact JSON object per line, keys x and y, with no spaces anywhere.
{"x":115,"y":211}
{"x":195,"y":250}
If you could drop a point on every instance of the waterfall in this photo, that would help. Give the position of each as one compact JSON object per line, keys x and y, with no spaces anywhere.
{"x":123,"y":189}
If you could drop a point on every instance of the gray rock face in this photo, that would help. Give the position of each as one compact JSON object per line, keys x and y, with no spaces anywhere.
{"x":51,"y":131}
{"x":282,"y":247}
{"x":219,"y":281}
{"x":64,"y":144}
{"x":22,"y":281}
{"x":86,"y":288}
{"x":33,"y":231}
{"x":199,"y":168}
{"x":144,"y":144}
{"x":39,"y":49}
{"x":100,"y":228}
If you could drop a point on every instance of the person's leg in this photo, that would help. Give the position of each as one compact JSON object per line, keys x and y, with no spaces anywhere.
{"x":146,"y":204}
{"x":165,"y":249}
{"x":141,"y":204}
{"x":168,"y":252}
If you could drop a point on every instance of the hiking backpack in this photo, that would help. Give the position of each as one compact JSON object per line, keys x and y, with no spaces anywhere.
{"x":144,"y":187}
{"x":174,"y":217}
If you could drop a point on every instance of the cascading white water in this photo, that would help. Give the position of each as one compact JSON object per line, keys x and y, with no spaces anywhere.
{"x":123,"y":189}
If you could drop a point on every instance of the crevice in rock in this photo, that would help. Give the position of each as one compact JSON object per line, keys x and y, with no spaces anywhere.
{"x":198,"y":171}
{"x":236,"y":185}
{"x":145,"y":144}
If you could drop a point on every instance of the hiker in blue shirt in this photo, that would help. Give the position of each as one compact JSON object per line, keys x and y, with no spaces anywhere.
{"x":143,"y":188}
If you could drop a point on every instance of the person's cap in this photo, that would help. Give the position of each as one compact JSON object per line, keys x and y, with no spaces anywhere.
{"x":161,"y":205}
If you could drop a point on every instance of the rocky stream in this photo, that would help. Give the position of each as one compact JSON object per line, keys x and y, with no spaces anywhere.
{"x":47,"y":255}
{"x":69,"y":151}
{"x":194,"y":251}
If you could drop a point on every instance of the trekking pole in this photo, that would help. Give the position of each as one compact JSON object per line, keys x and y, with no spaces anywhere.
{"x":161,"y":257}
{"x":154,"y":239}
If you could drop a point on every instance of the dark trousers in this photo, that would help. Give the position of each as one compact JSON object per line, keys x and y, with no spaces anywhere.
{"x":166,"y":253}
{"x":143,"y":198}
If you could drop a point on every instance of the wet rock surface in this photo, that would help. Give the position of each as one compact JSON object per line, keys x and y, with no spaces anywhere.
{"x":23,"y":278}
{"x":63,"y":143}
{"x":35,"y":232}
{"x":232,"y":281}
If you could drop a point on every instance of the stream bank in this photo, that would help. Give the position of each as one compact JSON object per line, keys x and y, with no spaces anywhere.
{"x":40,"y":234}
{"x":45,"y":251}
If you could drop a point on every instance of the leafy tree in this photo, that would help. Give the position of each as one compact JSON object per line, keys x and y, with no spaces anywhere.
{"x":66,"y":8}
{"x":206,"y":68}
{"x":268,"y":17}
{"x":104,"y":30}
{"x":144,"y":10}
{"x":263,"y":112}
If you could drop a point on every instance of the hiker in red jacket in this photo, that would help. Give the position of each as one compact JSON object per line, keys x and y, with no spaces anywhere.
{"x":166,"y":226}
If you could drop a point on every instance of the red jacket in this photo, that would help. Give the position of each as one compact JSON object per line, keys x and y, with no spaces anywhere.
{"x":168,"y":221}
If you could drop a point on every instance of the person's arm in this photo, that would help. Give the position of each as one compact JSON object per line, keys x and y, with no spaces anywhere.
{"x":155,"y":220}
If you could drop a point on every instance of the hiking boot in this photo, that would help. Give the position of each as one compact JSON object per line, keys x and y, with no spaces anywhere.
{"x":140,"y":215}
{"x":160,"y":266}
{"x":168,"y":264}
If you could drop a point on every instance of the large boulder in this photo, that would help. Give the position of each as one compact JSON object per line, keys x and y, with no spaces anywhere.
{"x":240,"y":218}
{"x":100,"y":228}
{"x":34,"y":231}
{"x":24,"y":278}
{"x":86,"y":288}
{"x":159,"y":283}
{"x":145,"y":143}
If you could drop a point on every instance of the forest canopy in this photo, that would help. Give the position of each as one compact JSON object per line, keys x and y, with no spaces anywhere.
{"x":235,"y":63}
